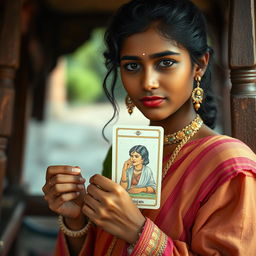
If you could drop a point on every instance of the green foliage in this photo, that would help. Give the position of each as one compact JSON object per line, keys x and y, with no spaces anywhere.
{"x":86,"y":70}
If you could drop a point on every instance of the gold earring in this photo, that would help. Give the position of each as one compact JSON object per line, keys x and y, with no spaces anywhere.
{"x":129,"y":104}
{"x":197,"y":94}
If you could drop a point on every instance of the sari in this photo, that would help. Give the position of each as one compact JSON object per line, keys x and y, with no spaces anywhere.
{"x":208,"y":206}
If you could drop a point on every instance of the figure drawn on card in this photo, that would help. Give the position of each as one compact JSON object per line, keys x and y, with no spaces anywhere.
{"x":137,"y":177}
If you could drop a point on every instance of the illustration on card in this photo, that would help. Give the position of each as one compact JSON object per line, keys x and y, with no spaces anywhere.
{"x":137,"y":177}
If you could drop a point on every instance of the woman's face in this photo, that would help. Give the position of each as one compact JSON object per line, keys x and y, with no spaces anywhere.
{"x":136,"y":158}
{"x":156,"y":73}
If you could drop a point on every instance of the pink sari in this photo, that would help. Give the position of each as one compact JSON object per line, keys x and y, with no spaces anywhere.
{"x":208,"y":206}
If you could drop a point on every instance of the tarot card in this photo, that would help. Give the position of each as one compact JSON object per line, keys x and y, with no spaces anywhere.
{"x":137,"y":154}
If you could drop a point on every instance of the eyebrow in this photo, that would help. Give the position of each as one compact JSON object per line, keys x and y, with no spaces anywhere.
{"x":152,"y":56}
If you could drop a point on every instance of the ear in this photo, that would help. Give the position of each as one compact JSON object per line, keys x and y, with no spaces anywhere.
{"x":200,"y":69}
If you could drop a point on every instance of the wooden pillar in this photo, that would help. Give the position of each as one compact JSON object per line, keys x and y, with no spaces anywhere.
{"x":242,"y":61}
{"x":21,"y":115}
{"x":9,"y":59}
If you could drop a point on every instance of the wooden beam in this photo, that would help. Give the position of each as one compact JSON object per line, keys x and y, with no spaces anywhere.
{"x":78,"y":6}
{"x":242,"y":62}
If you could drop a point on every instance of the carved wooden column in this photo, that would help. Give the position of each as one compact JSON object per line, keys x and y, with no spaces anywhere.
{"x":9,"y":59}
{"x":242,"y":60}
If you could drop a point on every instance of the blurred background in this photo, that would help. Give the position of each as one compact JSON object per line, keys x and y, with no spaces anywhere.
{"x":53,"y":107}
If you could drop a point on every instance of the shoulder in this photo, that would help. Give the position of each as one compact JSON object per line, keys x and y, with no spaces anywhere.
{"x":221,"y":154}
{"x":146,"y":169}
{"x":224,"y":146}
{"x":223,"y":159}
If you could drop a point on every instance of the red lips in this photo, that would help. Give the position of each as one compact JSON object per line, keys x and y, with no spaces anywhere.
{"x":152,"y":101}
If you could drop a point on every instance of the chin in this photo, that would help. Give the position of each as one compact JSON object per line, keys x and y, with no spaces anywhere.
{"x":155,"y":115}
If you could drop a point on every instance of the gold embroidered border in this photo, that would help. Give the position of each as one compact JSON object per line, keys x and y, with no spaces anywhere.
{"x":154,"y":241}
{"x":157,"y":243}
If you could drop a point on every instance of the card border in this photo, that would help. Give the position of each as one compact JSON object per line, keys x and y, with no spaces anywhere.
{"x":159,"y":138}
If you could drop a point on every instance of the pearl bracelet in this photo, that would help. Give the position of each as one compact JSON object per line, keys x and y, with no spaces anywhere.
{"x":72,"y":233}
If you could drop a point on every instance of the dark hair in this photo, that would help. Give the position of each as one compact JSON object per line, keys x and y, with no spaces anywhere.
{"x":178,"y":20}
{"x":142,"y":150}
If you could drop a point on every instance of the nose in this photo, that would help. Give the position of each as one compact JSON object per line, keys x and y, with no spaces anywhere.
{"x":150,"y":80}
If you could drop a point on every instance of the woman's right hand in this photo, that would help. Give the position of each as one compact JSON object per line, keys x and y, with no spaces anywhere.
{"x":127,"y":164}
{"x":64,"y":190}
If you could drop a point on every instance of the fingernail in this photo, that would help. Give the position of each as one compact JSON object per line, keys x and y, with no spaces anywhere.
{"x":76,"y":169}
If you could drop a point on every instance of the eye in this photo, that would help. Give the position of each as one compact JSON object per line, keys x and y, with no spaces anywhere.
{"x":132,"y":66}
{"x":166,"y":63}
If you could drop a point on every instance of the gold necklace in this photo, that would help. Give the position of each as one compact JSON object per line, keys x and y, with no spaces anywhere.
{"x":195,"y":125}
{"x":178,"y":136}
{"x":137,"y":172}
{"x":179,"y":146}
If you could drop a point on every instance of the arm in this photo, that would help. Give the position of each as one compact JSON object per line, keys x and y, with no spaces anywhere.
{"x":124,"y":178}
{"x":136,"y":190}
{"x":225,"y":225}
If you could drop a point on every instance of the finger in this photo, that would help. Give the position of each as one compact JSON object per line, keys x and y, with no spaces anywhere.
{"x":90,"y":213}
{"x":62,"y":169}
{"x":92,"y":202}
{"x":103,"y":182}
{"x":58,"y":189}
{"x":53,"y":188}
{"x":66,"y":178}
{"x":96,"y":192}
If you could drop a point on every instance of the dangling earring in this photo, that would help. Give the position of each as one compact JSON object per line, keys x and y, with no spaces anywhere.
{"x":197,"y":94}
{"x":129,"y":104}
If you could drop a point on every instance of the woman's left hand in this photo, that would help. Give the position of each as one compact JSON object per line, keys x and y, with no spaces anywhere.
{"x":110,"y":207}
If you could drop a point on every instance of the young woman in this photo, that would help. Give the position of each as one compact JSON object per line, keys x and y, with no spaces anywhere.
{"x":208,"y":198}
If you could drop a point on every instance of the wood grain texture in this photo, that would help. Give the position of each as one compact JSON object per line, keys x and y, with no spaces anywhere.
{"x":244,"y":120}
{"x":242,"y":34}
{"x":243,"y":81}
{"x":242,"y":62}
{"x":10,"y":34}
{"x":6,"y":100}
{"x":9,"y":59}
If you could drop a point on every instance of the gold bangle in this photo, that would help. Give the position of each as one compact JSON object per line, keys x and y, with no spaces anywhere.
{"x":124,"y":181}
{"x":72,"y":233}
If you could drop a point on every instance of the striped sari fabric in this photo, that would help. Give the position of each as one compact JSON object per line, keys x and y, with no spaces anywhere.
{"x":208,"y":206}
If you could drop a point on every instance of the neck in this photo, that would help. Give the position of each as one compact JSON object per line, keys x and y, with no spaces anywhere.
{"x":138,"y":167}
{"x":176,"y":121}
